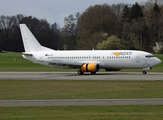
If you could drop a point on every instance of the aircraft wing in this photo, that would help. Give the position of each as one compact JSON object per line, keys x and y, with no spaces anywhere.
{"x":65,"y":65}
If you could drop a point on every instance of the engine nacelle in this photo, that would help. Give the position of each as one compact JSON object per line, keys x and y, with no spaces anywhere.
{"x":91,"y":67}
{"x":112,"y":69}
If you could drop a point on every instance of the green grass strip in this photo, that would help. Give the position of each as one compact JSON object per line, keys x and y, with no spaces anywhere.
{"x":40,"y":90}
{"x":137,"y":112}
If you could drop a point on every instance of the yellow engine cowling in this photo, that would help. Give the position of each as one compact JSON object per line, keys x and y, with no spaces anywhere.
{"x":91,"y":67}
{"x":112,"y":69}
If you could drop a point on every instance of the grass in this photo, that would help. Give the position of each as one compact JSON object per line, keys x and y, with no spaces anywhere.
{"x":15,"y":62}
{"x":41,"y":90}
{"x":32,"y":90}
{"x":138,"y":112}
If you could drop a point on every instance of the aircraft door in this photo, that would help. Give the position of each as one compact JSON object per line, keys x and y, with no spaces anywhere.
{"x":41,"y":58}
{"x":138,"y":58}
{"x":146,"y":62}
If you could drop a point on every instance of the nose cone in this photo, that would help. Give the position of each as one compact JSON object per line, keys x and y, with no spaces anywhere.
{"x":157,"y":61}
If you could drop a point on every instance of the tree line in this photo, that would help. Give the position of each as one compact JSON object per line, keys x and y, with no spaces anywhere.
{"x":122,"y":26}
{"x":117,"y":26}
{"x":10,"y":36}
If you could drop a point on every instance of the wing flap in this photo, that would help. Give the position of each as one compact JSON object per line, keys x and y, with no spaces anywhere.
{"x":65,"y":65}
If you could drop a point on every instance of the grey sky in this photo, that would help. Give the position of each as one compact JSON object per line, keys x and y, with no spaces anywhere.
{"x":52,"y":10}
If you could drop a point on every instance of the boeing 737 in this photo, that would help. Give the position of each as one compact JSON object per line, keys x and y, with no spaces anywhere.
{"x":85,"y":60}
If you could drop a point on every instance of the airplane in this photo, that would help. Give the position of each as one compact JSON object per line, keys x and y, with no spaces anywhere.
{"x":85,"y":60}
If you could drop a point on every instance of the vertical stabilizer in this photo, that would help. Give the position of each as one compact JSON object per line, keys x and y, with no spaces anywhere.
{"x":30,"y":42}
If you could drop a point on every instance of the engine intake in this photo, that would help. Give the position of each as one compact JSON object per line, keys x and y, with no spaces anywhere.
{"x":91,"y":67}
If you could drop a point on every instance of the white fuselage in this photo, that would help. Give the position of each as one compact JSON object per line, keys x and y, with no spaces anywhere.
{"x":107,"y":59}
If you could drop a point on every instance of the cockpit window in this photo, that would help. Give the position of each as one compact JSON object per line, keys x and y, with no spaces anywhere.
{"x":149,"y":56}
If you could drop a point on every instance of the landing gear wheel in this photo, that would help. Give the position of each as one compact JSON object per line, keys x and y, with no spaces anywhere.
{"x":80,"y":72}
{"x":93,"y":73}
{"x":144,"y":72}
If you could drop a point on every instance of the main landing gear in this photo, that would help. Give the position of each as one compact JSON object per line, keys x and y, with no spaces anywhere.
{"x":93,"y":73}
{"x":81,"y":73}
{"x":144,"y":72}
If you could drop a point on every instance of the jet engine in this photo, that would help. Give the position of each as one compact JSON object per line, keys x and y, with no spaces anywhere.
{"x":91,"y":67}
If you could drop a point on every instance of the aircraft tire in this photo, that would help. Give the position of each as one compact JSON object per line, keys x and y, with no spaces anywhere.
{"x":144,"y":72}
{"x":80,"y":72}
{"x":93,"y":73}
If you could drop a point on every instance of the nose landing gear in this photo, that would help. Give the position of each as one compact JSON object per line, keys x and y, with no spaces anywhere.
{"x":144,"y":72}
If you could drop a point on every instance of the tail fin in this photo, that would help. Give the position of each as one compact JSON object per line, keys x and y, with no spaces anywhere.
{"x":30,"y":42}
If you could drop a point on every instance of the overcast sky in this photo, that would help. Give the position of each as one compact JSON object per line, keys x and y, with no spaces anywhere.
{"x":52,"y":10}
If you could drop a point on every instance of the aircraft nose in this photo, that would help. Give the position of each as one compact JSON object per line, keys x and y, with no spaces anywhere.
{"x":157,"y":61}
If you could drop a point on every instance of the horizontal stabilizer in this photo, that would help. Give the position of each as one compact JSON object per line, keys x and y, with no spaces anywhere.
{"x":11,"y":52}
{"x":28,"y":54}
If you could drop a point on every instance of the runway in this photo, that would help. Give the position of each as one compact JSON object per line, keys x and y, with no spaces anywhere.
{"x":74,"y":76}
{"x":79,"y":102}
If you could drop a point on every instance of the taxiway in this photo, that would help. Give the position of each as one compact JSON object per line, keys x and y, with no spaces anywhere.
{"x":78,"y":102}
